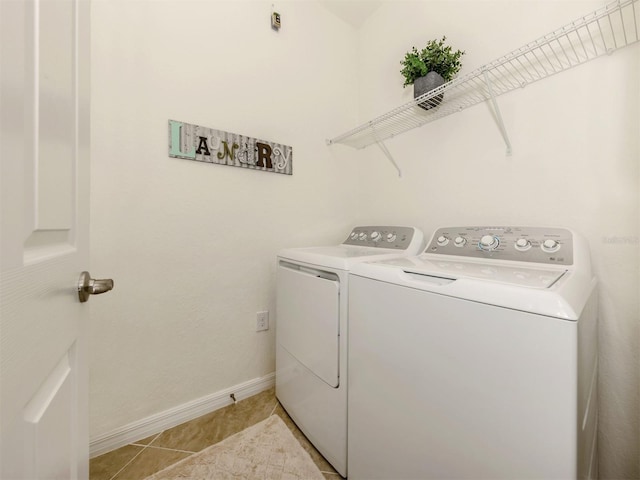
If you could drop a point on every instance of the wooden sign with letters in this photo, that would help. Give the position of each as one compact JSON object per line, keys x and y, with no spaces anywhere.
{"x":202,"y":144}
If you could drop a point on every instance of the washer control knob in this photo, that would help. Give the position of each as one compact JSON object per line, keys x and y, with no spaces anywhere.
{"x":391,"y":237}
{"x":362,"y":236}
{"x":522,"y":244}
{"x":550,"y":245}
{"x":442,"y":240}
{"x":375,"y":236}
{"x":489,"y":242}
{"x":460,"y":241}
{"x":353,"y":235}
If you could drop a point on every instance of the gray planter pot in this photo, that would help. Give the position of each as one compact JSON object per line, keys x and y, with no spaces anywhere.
{"x":425,"y":84}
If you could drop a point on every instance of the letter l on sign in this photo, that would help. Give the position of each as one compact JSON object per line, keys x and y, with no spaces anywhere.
{"x":175,"y":142}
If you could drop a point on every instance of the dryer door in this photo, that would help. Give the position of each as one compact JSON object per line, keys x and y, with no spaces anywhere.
{"x":309,"y":318}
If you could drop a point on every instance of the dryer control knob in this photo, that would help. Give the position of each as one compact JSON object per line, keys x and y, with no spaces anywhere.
{"x":489,"y":242}
{"x":550,"y":245}
{"x":362,"y":236}
{"x":442,"y":240}
{"x":522,"y":244}
{"x":391,"y":237}
{"x":353,"y":235}
{"x":460,"y":241}
{"x":375,"y":236}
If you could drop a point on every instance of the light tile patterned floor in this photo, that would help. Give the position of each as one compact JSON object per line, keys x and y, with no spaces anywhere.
{"x":147,"y":456}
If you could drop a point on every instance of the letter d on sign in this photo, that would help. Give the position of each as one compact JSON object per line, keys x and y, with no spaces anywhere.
{"x":175,"y":136}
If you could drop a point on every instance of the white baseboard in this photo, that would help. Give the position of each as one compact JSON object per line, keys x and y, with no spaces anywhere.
{"x":175,"y":416}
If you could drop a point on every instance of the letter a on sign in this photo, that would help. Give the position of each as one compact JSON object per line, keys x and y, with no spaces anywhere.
{"x":203,"y":146}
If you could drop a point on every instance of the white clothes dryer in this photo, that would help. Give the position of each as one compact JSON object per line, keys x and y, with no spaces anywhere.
{"x":475,"y":360}
{"x":311,"y":330}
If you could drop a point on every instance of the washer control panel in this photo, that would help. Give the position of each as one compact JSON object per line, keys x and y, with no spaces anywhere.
{"x":525,"y":244}
{"x":382,"y":237}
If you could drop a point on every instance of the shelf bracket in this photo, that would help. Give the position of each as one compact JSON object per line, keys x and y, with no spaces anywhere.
{"x":496,"y":109}
{"x":387,"y":154}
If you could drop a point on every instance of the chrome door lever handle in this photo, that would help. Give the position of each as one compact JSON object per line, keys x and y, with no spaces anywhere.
{"x":97,"y":287}
{"x":88,"y":286}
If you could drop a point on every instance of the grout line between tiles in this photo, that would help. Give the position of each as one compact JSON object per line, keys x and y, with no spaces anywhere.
{"x":155,"y":438}
{"x":144,"y":447}
{"x":127,"y":464}
{"x":169,"y":449}
{"x":274,"y":408}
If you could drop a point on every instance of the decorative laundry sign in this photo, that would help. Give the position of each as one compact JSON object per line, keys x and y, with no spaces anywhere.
{"x":193,"y":142}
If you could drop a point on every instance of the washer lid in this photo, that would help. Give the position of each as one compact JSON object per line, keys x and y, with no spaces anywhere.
{"x":522,"y":276}
{"x":554,"y":292}
{"x":341,"y":257}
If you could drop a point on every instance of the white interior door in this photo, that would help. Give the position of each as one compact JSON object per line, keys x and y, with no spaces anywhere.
{"x":44,"y":194}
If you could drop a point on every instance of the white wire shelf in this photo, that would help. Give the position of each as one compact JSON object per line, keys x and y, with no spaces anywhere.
{"x":601,"y":32}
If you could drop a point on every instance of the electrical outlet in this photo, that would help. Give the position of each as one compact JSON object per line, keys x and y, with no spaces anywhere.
{"x":262,"y":321}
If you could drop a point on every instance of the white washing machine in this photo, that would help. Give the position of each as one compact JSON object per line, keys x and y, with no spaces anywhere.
{"x":311,"y":330}
{"x":475,"y":360}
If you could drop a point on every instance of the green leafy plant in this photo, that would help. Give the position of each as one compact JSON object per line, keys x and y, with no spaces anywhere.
{"x":435,"y":57}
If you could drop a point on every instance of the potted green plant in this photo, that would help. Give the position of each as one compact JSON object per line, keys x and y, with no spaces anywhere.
{"x":429,"y":68}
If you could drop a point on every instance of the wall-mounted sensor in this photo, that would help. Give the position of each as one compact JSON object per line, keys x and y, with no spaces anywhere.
{"x":275,"y":21}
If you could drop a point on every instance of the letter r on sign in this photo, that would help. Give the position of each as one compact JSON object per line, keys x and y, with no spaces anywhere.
{"x":264,"y":153}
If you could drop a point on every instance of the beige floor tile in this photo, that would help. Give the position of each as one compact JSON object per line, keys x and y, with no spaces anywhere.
{"x":196,"y":435}
{"x":209,"y":429}
{"x":106,"y":466}
{"x":150,"y":461}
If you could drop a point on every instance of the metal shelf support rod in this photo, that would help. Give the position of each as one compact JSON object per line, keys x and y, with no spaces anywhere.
{"x":496,"y":109}
{"x":387,"y":153}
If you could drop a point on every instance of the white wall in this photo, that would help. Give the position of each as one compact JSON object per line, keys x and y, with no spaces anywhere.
{"x":191,"y":246}
{"x":574,"y":163}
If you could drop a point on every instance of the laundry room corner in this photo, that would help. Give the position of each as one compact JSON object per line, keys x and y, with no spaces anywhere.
{"x":574,"y":163}
{"x":192,"y":245}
